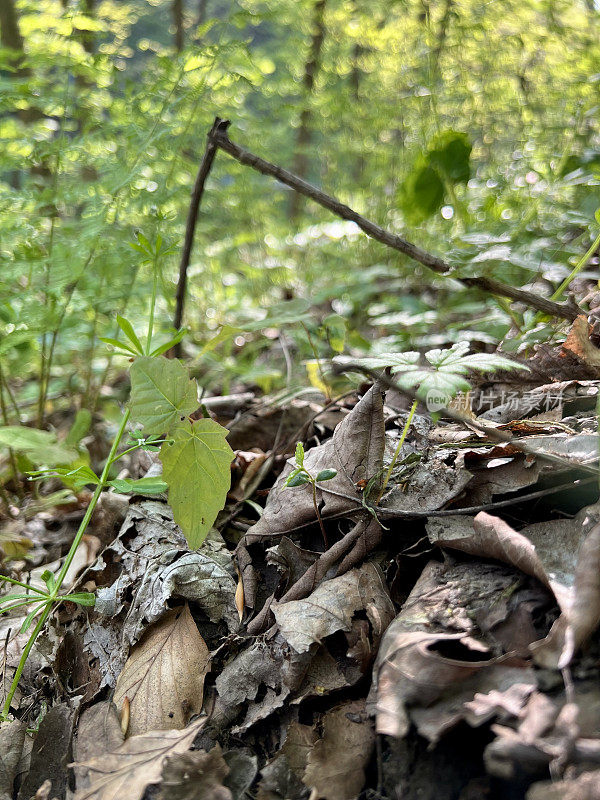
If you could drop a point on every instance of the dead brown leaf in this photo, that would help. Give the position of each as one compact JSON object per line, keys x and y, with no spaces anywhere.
{"x":122,"y":773}
{"x":332,"y":605}
{"x":355,"y":450}
{"x":434,"y":649}
{"x":12,"y":739}
{"x":337,"y":761}
{"x":564,"y":555}
{"x":581,"y":616}
{"x":195,"y":775}
{"x":164,"y":675}
{"x":584,"y":787}
{"x":98,"y":732}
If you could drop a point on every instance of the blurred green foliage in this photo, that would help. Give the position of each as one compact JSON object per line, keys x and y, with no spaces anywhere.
{"x":470,"y":128}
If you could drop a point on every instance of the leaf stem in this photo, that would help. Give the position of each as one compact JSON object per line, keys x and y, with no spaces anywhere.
{"x":577,"y":268}
{"x":411,"y":414}
{"x":152,"y":304}
{"x":318,"y":513}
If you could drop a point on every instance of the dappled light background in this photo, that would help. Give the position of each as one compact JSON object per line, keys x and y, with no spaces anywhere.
{"x":469,"y":128}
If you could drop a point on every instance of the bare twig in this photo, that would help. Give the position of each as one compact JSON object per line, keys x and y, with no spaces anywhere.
{"x":219,"y":138}
{"x":190,"y":226}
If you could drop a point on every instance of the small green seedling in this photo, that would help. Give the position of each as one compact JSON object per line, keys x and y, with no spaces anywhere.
{"x":439,"y":380}
{"x":301,"y":476}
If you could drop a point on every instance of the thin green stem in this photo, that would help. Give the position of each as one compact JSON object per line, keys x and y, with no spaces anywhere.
{"x":581,"y":264}
{"x":22,"y":585}
{"x":318,"y":513}
{"x":54,"y":595}
{"x":411,"y":414}
{"x":24,"y":656}
{"x":152,"y":305}
{"x":11,"y":452}
{"x":91,"y":507}
{"x":319,"y":365}
{"x":137,"y":447}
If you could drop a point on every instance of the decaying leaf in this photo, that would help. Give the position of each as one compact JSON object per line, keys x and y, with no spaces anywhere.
{"x":163,"y":677}
{"x":434,"y":649}
{"x":194,"y":775}
{"x":336,"y":763}
{"x":152,"y":562}
{"x":564,"y":555}
{"x":355,"y":451}
{"x":584,"y":787}
{"x":122,"y":773}
{"x":98,"y":732}
{"x":51,"y":753}
{"x":331,"y":606}
{"x":12,"y":739}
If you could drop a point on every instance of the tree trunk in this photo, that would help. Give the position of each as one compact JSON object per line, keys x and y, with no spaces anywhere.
{"x":311,"y":70}
{"x":10,"y":34}
{"x":177,"y":9}
{"x":202,"y":11}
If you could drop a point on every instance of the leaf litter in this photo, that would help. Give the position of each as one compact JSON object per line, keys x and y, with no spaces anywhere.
{"x":445,"y":636}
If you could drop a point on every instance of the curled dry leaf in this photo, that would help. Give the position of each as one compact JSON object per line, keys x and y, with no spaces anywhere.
{"x":152,"y":563}
{"x":332,"y":605}
{"x":581,"y":616}
{"x":355,"y":451}
{"x":336,"y":763}
{"x":163,"y":677}
{"x":430,"y":651}
{"x":124,"y":772}
{"x":564,"y":555}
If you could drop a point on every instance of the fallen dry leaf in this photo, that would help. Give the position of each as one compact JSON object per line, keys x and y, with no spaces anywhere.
{"x":98,"y":732}
{"x":332,"y":605}
{"x":163,"y":677}
{"x":336,"y":763}
{"x":563,"y":555}
{"x":355,"y":451}
{"x":195,"y":775}
{"x":154,"y":566}
{"x":12,"y":738}
{"x":581,"y":616}
{"x":122,"y":773}
{"x":51,"y":753}
{"x":434,"y":649}
{"x":584,"y":787}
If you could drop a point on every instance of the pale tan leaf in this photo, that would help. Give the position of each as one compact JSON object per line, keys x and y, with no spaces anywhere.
{"x":336,"y":764}
{"x":12,"y":738}
{"x":164,"y":674}
{"x":98,"y":731}
{"x":123,"y":773}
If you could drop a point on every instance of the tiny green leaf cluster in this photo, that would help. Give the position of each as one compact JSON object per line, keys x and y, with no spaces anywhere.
{"x":300,"y":475}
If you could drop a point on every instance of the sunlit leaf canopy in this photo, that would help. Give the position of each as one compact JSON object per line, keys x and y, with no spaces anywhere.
{"x":470,"y":128}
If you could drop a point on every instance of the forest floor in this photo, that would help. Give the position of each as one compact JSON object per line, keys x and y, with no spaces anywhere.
{"x":330,"y":639}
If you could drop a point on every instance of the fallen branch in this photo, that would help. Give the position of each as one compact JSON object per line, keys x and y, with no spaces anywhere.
{"x":190,"y":227}
{"x":219,"y":138}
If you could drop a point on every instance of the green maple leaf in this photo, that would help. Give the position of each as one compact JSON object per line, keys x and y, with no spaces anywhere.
{"x":196,"y":468}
